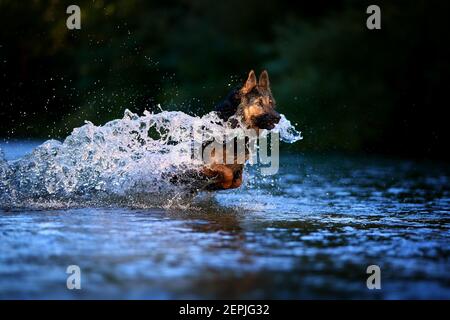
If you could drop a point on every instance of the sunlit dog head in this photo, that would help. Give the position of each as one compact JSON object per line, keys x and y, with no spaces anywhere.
{"x":257,"y":106}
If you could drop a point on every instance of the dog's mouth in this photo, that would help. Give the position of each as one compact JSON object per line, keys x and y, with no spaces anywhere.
{"x":267,"y":121}
{"x":268,"y":126}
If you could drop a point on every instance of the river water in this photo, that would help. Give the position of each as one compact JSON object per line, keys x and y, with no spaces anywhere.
{"x":310,"y":232}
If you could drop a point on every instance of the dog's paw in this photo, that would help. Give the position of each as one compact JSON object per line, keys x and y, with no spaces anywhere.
{"x":222,"y":177}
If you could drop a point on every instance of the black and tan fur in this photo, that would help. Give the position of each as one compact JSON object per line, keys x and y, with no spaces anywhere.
{"x":254,"y":106}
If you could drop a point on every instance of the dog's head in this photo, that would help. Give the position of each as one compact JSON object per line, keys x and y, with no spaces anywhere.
{"x":257,"y":105}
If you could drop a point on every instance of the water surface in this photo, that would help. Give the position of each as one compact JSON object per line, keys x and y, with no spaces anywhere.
{"x":309,"y":233}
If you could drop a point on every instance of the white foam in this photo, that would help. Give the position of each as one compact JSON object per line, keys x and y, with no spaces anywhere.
{"x":130,"y":159}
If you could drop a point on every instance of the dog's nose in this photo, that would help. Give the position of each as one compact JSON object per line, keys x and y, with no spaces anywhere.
{"x":268,"y":120}
{"x":276,"y":117}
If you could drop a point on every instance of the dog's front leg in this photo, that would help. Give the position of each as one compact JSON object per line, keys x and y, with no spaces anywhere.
{"x":222,"y":174}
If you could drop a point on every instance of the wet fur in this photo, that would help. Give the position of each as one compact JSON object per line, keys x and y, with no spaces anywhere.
{"x":255,"y":106}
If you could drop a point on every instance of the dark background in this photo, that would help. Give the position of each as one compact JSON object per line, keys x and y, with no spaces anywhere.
{"x":348,"y":88}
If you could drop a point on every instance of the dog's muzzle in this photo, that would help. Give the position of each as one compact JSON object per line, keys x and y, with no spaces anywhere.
{"x":267,"y":121}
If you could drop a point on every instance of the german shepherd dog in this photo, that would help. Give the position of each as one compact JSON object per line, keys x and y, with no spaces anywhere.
{"x":252,"y":104}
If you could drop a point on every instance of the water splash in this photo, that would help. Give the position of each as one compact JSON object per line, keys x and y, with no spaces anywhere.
{"x":129,"y":160}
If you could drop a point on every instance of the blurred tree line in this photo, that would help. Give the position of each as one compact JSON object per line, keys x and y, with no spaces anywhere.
{"x":348,"y":88}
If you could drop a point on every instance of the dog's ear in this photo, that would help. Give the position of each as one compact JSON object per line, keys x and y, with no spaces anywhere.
{"x":264,"y":80}
{"x":250,"y":83}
